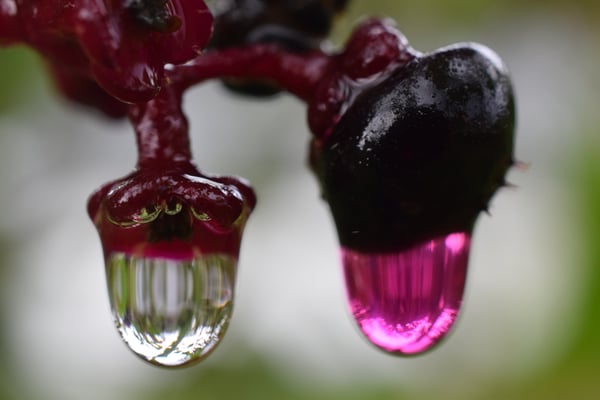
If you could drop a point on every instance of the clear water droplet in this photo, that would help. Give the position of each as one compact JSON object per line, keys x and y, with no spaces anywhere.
{"x":171,"y":312}
{"x":406,"y":302}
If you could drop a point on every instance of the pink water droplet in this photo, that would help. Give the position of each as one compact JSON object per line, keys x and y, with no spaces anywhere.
{"x":406,"y":302}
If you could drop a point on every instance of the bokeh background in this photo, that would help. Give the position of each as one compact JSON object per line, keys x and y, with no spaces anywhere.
{"x":530,"y":326}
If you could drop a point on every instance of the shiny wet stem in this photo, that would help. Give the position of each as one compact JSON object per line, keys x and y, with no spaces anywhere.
{"x":171,"y":312}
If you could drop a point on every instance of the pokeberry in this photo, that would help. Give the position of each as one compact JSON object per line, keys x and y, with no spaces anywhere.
{"x":375,"y":49}
{"x":406,"y":171}
{"x":420,"y":154}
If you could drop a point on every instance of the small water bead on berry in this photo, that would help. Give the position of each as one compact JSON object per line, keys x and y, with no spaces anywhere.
{"x":171,"y":241}
{"x":405,"y":302}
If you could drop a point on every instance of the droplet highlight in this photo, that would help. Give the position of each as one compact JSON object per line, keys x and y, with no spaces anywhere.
{"x":171,"y":312}
{"x":406,"y":302}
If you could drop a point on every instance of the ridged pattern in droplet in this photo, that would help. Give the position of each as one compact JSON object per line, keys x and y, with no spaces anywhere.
{"x":406,"y":302}
{"x":171,"y":312}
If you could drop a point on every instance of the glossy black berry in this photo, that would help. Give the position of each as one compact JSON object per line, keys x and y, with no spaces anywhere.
{"x":420,"y":154}
{"x":235,"y":20}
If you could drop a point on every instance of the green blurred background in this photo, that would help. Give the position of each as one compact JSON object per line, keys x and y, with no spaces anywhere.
{"x":530,"y":327}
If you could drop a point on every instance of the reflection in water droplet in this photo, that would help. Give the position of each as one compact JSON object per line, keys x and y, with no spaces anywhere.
{"x":171,"y":312}
{"x":406,"y":302}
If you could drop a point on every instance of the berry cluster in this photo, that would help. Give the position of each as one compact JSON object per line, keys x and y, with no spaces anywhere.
{"x":408,"y":148}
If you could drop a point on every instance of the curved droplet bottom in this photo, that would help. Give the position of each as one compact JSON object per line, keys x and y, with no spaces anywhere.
{"x":171,"y":312}
{"x":406,"y":302}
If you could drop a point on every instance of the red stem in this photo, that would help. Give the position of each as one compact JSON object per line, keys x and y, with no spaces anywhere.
{"x":160,"y":125}
{"x":297,"y":73}
{"x":161,"y":129}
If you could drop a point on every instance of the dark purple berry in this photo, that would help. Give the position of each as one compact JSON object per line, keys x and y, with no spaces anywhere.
{"x":420,"y":154}
{"x":235,"y":20}
{"x":296,"y":26}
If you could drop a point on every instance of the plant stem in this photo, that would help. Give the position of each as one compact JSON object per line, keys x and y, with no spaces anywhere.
{"x":161,"y":129}
{"x":297,"y":73}
{"x":160,"y":125}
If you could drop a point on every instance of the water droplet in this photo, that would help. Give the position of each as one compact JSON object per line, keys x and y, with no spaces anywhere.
{"x":171,"y":312}
{"x":406,"y":302}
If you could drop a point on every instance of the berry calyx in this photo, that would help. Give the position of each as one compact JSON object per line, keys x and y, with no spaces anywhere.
{"x":375,"y":49}
{"x":173,"y":213}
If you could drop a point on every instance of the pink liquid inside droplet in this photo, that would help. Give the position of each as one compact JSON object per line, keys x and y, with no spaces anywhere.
{"x":406,"y":302}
